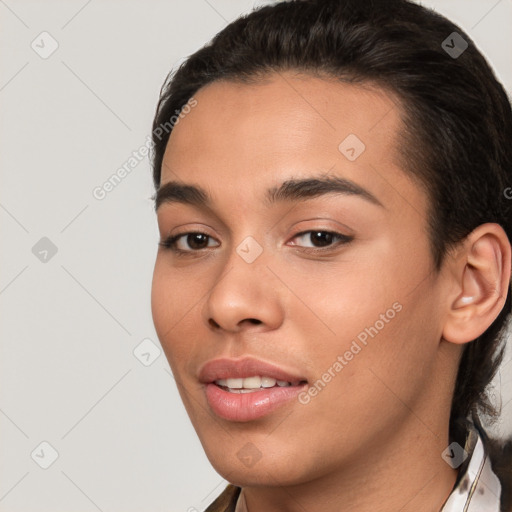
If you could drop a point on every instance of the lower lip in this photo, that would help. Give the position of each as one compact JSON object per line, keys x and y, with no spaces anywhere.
{"x":249,"y":406}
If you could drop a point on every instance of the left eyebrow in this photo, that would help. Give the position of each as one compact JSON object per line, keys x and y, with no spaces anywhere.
{"x":289,"y":190}
{"x":295,"y":190}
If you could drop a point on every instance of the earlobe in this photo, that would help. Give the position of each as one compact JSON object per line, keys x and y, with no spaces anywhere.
{"x":482,"y":285}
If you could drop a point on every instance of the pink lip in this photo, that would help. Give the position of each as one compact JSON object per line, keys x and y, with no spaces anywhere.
{"x":244,"y":407}
{"x":225,"y":368}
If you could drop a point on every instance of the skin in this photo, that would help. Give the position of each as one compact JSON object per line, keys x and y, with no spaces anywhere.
{"x":373,"y":437}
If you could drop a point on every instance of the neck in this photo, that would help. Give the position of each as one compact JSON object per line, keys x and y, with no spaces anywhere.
{"x":403,"y":472}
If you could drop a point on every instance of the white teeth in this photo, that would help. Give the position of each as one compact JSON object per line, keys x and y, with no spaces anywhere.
{"x":248,"y":384}
{"x":234,"y":383}
{"x":252,"y":383}
{"x":268,"y":382}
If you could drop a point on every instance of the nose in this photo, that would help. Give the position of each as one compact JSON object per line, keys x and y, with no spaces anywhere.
{"x":246,"y":296}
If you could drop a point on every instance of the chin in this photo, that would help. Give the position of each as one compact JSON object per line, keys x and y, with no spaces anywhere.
{"x":261,"y":475}
{"x":244,"y":465}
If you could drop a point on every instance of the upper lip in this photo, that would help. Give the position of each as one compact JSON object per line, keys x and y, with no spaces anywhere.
{"x":225,"y":368}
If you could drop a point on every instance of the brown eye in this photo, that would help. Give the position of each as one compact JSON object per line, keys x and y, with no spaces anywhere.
{"x":318,"y":239}
{"x":197,"y":240}
{"x":187,"y":242}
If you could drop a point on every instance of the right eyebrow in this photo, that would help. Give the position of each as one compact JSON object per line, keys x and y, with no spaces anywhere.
{"x":176,"y":192}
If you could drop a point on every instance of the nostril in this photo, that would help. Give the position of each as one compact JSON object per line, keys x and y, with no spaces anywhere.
{"x":213,"y":323}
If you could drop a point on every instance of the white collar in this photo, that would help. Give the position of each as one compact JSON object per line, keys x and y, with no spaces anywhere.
{"x":478,"y":489}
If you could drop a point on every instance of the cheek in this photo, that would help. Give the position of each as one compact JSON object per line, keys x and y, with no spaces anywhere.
{"x":381,"y":358}
{"x":162,"y":305}
{"x":338,"y":300}
{"x":373,"y":323}
{"x":172,"y":303}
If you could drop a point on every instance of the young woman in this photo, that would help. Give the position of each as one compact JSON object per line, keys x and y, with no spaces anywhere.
{"x":333,"y":281}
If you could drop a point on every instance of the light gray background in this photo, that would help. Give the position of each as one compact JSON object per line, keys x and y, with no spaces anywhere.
{"x":70,"y":325}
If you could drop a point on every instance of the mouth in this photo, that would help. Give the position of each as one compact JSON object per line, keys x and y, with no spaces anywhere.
{"x":247,"y":389}
{"x":247,"y":373}
{"x":254,"y":384}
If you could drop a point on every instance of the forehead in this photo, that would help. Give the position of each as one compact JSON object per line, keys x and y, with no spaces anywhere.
{"x":242,"y":138}
{"x":284,"y":109}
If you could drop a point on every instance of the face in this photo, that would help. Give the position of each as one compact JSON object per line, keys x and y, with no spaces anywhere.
{"x":326,"y":285}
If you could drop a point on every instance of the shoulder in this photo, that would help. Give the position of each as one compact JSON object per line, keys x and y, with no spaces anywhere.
{"x":500,"y":453}
{"x":226,"y":502}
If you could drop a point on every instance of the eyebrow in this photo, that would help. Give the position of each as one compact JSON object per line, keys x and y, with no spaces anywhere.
{"x":289,"y":190}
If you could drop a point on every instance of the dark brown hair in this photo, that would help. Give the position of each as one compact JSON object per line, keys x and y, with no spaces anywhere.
{"x":456,"y":115}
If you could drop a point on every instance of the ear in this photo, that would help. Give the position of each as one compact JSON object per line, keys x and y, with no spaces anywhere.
{"x":481,"y":281}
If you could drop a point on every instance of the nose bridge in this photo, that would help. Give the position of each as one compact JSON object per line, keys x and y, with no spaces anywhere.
{"x":244,"y":291}
{"x":245,"y":271}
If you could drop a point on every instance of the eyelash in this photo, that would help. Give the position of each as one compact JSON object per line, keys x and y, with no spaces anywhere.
{"x":170,"y":242}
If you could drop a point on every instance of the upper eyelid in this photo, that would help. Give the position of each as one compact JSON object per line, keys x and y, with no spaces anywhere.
{"x":300,"y":232}
{"x":177,"y":236}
